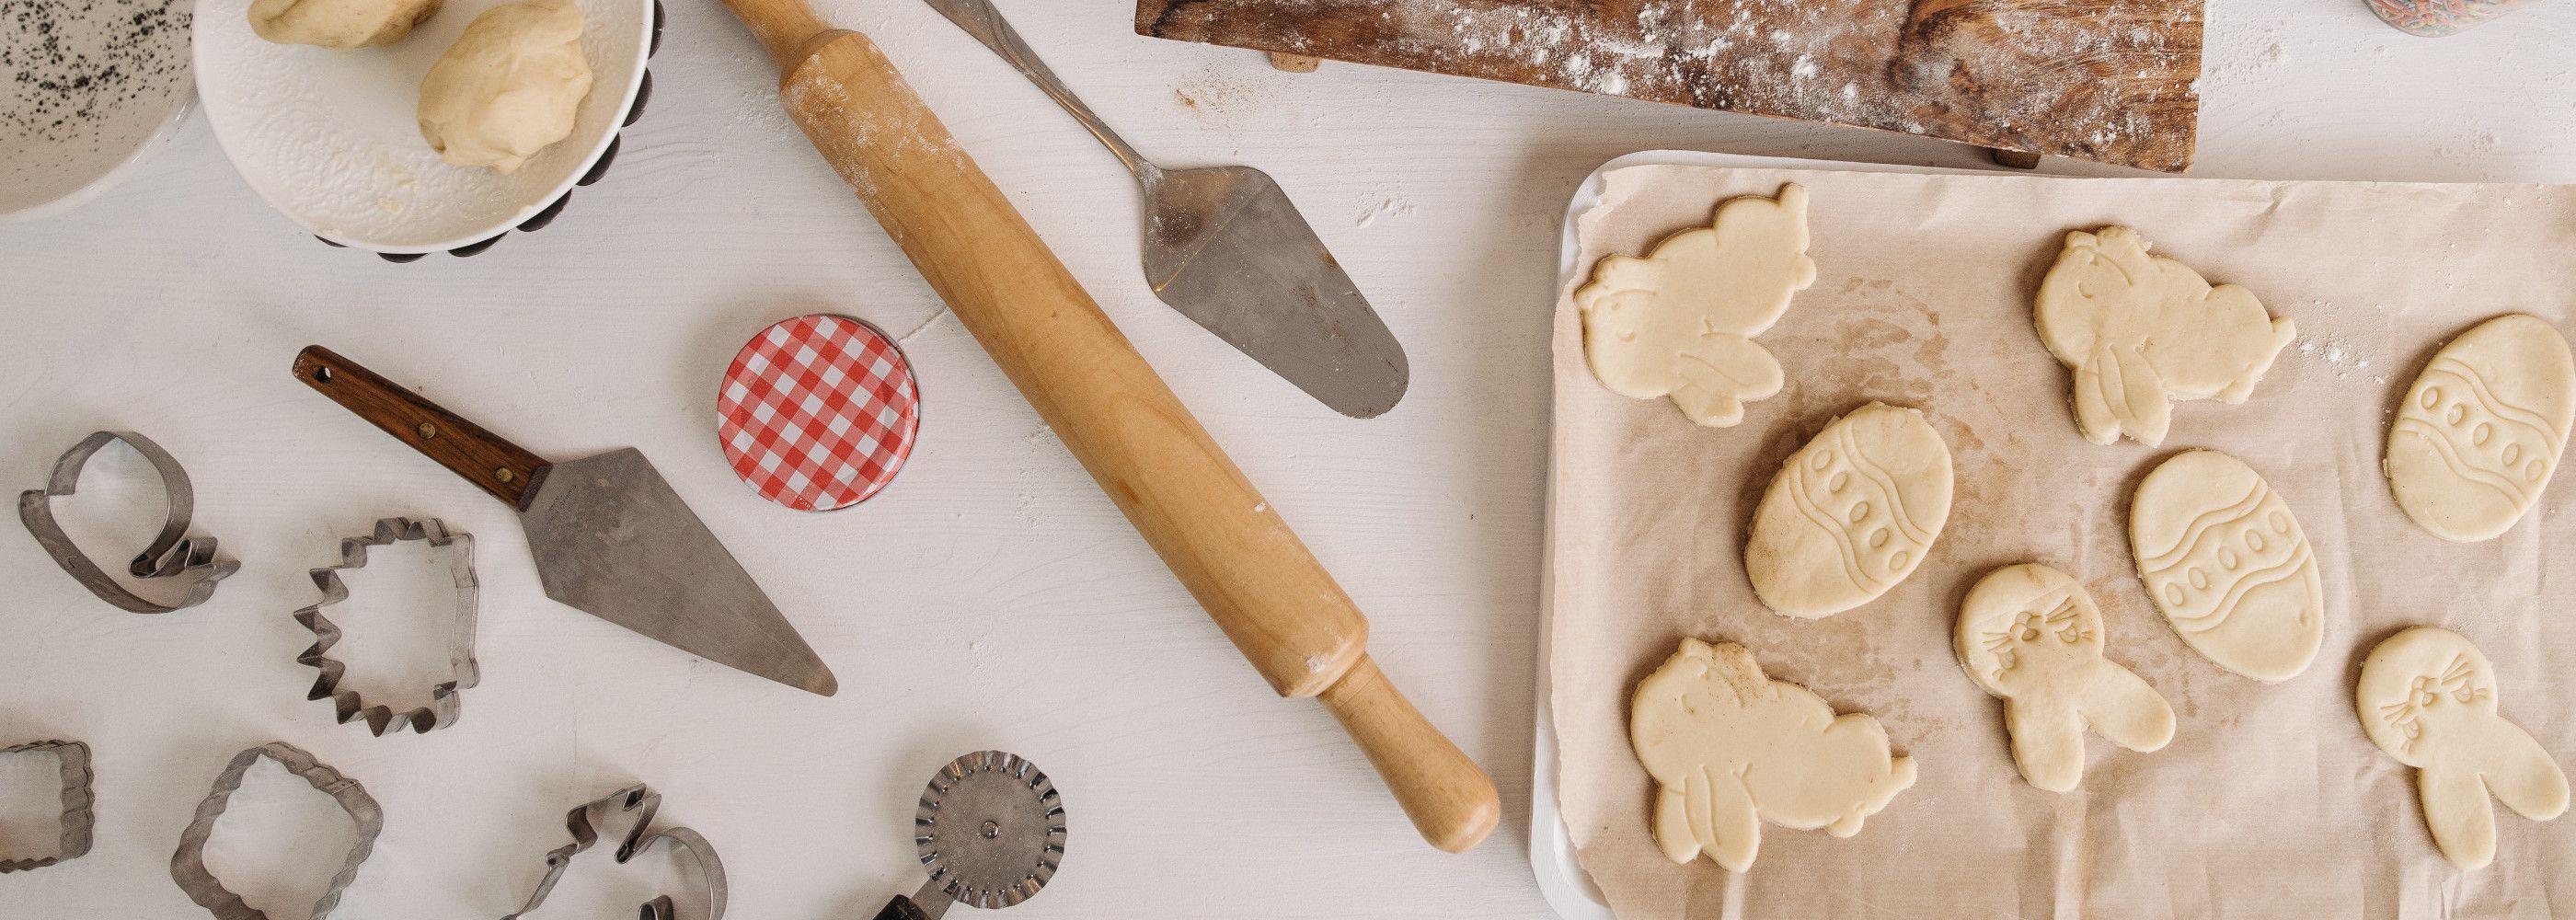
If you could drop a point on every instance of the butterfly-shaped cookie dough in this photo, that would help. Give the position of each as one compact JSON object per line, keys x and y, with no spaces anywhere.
{"x":2030,"y":635}
{"x":1681,"y":321}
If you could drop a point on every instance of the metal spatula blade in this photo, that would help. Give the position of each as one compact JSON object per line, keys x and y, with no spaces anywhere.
{"x":1224,"y":246}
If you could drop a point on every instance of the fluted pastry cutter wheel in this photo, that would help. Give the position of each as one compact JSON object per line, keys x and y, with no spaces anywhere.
{"x":991,"y":832}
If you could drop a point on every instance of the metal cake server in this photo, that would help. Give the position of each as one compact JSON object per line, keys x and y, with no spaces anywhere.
{"x":1226,"y":247}
{"x":611,"y":537}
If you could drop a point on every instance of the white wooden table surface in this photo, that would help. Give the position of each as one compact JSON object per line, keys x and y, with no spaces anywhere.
{"x":992,"y":597}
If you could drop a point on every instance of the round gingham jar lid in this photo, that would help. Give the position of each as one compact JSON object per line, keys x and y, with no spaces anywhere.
{"x":818,"y":413}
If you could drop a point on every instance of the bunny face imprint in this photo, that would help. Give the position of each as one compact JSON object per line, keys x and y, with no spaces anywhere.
{"x":2428,"y":698}
{"x":1681,"y":321}
{"x":2029,"y":635}
{"x":2480,"y":432}
{"x":2142,"y":332}
{"x":1730,"y":748}
{"x":2225,"y":560}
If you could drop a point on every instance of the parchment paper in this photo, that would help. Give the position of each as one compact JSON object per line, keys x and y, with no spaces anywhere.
{"x":2269,"y":802}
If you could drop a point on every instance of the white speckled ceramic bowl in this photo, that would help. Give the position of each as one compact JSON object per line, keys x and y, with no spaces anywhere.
{"x":87,"y":87}
{"x":331,"y":139}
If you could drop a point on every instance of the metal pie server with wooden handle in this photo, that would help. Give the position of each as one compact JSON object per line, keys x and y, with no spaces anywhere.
{"x":1227,"y":544}
{"x":610,"y":536}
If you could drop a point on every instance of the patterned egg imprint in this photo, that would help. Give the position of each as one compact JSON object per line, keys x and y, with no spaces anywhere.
{"x":2482,"y":428}
{"x":1851,"y":514}
{"x":2227,"y":563}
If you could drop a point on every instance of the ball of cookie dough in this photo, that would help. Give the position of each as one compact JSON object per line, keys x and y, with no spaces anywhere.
{"x":338,"y":23}
{"x":510,"y":87}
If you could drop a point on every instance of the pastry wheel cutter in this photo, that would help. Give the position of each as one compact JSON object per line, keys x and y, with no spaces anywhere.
{"x":991,"y":831}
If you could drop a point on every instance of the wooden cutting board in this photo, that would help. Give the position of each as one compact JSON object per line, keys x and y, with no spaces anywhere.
{"x":2104,"y":80}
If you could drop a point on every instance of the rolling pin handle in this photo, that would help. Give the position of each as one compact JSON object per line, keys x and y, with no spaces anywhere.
{"x":1450,"y":799}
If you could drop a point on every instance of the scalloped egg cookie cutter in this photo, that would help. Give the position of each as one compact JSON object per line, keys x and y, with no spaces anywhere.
{"x":642,"y":803}
{"x":77,"y":814}
{"x":188,"y":865}
{"x":463,"y":672}
{"x":173,"y":554}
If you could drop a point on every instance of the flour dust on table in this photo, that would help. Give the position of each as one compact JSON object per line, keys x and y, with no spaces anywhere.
{"x":2481,"y":430}
{"x":2228,"y":564}
{"x":1850,"y":514}
{"x":2032,"y":637}
{"x":1731,"y":748}
{"x":2428,"y":697}
{"x":1680,"y":322}
{"x":2142,"y":331}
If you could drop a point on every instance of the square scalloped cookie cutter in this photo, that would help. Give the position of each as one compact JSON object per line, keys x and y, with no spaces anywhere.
{"x":464,"y":673}
{"x":188,"y":865}
{"x":77,"y":814}
{"x":189,"y":561}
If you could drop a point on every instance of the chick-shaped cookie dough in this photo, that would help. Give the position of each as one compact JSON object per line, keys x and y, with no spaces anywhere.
{"x":1681,"y":321}
{"x":2142,"y":332}
{"x":2030,"y":635}
{"x":1729,"y":748}
{"x":2428,"y":698}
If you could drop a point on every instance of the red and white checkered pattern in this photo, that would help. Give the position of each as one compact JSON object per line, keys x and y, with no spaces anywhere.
{"x":818,"y":412}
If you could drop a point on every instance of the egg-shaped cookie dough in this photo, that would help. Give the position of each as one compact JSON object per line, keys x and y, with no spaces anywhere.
{"x":1850,"y":514}
{"x":2482,"y":429}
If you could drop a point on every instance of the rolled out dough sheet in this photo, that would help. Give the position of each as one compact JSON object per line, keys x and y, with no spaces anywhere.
{"x":2269,"y":802}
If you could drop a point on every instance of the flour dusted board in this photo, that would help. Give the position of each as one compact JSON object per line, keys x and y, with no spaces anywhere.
{"x":2269,"y":801}
{"x":2103,"y":80}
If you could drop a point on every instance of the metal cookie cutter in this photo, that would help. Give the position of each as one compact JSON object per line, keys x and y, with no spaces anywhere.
{"x":173,"y":554}
{"x":641,"y":803}
{"x":463,"y":672}
{"x":77,"y":801}
{"x":188,"y":865}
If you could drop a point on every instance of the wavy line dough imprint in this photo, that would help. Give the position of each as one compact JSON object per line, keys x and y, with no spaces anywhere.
{"x":1730,"y":748}
{"x":2029,"y":635}
{"x":2228,"y":565}
{"x":2428,"y":697}
{"x":1851,"y":514}
{"x":2142,"y":332}
{"x":2482,"y":428}
{"x":1681,"y":321}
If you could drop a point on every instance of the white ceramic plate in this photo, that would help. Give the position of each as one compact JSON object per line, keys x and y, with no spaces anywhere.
{"x":86,"y":87}
{"x":330,"y":138}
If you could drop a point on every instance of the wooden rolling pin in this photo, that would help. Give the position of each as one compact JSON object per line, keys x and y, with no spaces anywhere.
{"x":1228,"y":546}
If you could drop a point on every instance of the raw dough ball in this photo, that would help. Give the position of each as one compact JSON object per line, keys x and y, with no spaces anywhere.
{"x":511,"y":86}
{"x":1681,"y":322}
{"x":338,"y":23}
{"x":2428,"y":698}
{"x":2030,"y":635}
{"x":2142,"y":332}
{"x":2228,"y":565}
{"x":1730,"y":748}
{"x":2482,"y":429}
{"x":1850,"y":514}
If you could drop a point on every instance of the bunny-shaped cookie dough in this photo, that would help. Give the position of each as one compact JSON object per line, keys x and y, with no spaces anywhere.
{"x":2143,"y":331}
{"x":1730,"y":747}
{"x":2428,"y":698}
{"x":2030,"y":635}
{"x":1681,"y":321}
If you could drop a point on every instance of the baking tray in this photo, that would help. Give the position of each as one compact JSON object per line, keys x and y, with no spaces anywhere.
{"x":1560,"y":878}
{"x":2376,"y":274}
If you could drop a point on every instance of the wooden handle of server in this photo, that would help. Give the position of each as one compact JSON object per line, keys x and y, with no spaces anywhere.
{"x":1228,"y":546}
